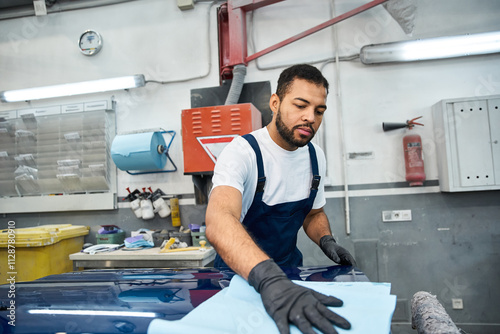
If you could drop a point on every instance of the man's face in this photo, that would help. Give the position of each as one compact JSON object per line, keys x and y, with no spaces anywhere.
{"x":299,"y":115}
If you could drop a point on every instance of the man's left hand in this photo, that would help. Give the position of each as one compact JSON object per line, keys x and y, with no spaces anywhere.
{"x":335,"y":252}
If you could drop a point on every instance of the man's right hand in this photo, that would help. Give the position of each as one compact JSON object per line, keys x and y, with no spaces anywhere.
{"x":287,"y":302}
{"x":335,"y":252}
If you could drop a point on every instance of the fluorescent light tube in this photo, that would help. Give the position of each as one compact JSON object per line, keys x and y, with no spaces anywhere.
{"x":77,"y":88}
{"x":432,"y":48}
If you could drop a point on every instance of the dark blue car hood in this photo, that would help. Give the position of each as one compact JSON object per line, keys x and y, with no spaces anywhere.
{"x":124,"y":300}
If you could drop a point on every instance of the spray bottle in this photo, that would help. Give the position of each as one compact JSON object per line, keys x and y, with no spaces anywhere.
{"x":135,"y":202}
{"x":146,"y":205}
{"x":161,"y":207}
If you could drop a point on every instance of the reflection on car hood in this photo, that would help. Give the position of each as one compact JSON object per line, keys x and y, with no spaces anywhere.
{"x":124,"y":300}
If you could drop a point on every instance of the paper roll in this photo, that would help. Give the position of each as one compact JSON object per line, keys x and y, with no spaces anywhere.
{"x":138,"y":151}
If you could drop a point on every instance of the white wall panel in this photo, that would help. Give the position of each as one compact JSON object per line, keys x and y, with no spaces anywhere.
{"x":155,"y":38}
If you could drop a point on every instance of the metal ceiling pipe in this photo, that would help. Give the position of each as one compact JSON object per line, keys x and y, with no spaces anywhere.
{"x":239,"y":73}
{"x":27,"y":11}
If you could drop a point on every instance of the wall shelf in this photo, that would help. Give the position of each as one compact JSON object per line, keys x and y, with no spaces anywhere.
{"x":56,"y":158}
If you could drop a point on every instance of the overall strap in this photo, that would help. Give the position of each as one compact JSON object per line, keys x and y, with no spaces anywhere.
{"x":261,"y":178}
{"x":314,"y":166}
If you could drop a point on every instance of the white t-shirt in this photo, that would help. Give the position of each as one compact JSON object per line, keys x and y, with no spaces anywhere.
{"x":288,"y":173}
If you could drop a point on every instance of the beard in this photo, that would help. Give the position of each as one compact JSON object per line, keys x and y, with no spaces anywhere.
{"x":288,"y":134}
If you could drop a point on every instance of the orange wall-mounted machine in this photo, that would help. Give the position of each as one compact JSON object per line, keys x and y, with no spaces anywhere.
{"x":207,"y":130}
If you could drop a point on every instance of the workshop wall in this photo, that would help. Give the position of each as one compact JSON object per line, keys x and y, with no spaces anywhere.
{"x":450,"y":248}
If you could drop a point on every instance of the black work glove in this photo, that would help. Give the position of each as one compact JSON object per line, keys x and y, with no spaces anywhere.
{"x":335,"y":252}
{"x":287,"y":302}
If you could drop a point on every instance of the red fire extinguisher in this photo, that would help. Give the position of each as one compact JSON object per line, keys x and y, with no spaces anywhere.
{"x":412,"y":147}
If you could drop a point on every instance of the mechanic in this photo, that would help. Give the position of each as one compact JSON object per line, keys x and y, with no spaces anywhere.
{"x":267,"y":185}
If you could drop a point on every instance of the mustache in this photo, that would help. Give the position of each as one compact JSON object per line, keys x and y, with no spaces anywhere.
{"x":305,"y":126}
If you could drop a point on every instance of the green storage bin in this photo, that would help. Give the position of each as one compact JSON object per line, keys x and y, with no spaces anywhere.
{"x":197,"y":237}
{"x":112,"y":238}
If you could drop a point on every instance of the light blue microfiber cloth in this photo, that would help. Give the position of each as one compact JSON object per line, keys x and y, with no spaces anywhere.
{"x":238,"y":309}
{"x":138,"y":241}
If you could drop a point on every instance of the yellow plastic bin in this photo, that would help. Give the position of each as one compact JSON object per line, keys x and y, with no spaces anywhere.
{"x":39,"y":251}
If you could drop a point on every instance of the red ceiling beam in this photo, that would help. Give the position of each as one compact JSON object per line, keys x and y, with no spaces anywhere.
{"x":233,"y":34}
{"x":315,"y":29}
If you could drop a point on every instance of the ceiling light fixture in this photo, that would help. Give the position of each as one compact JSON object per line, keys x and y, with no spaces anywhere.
{"x":77,"y":88}
{"x":432,"y":48}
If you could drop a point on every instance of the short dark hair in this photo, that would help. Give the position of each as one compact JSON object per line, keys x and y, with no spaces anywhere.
{"x":300,"y":71}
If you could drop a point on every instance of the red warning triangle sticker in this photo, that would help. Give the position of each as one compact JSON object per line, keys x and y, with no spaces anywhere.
{"x":214,"y":145}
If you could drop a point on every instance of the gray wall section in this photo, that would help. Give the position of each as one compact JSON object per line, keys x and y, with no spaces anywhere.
{"x":451,"y":248}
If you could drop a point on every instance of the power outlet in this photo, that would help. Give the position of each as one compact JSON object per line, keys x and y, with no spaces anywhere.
{"x":40,"y":7}
{"x":396,"y":216}
{"x":457,"y":303}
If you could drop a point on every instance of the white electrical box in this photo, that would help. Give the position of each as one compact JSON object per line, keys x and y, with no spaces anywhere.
{"x":185,"y":4}
{"x":467,"y":138}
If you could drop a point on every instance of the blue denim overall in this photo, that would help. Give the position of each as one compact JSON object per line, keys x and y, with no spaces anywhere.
{"x":274,"y":228}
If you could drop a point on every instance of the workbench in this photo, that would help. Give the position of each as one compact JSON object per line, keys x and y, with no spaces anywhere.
{"x":144,"y":258}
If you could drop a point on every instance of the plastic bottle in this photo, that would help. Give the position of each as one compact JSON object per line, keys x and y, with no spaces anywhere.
{"x":147,"y":209}
{"x":174,"y":207}
{"x":135,"y":205}
{"x":161,"y":207}
{"x":135,"y":202}
{"x":147,"y":205}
